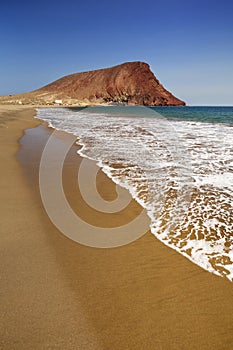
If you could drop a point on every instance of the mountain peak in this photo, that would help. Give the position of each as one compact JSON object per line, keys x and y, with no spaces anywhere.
{"x":130,"y":83}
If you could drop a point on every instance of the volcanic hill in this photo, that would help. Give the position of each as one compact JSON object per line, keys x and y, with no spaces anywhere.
{"x":128,"y":83}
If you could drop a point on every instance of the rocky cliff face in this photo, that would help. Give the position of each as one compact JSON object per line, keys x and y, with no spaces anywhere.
{"x":129,"y":83}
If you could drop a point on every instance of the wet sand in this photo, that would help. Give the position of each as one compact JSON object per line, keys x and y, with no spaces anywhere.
{"x":58,"y":294}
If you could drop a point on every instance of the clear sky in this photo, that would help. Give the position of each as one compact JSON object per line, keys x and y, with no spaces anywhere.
{"x":188,"y":44}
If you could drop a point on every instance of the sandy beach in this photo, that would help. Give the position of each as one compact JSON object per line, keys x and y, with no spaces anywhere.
{"x":58,"y":294}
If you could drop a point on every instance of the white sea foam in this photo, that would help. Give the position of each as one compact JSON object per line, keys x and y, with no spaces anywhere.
{"x":181,"y":172}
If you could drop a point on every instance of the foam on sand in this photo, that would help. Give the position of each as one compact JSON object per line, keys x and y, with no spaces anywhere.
{"x":180,"y":171}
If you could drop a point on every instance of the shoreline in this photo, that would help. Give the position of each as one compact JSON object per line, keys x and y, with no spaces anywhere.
{"x":59,"y":294}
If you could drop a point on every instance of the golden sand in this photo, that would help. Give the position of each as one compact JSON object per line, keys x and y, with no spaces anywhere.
{"x":58,"y":294}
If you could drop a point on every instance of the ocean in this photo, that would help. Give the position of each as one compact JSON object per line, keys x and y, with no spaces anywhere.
{"x":177,"y":162}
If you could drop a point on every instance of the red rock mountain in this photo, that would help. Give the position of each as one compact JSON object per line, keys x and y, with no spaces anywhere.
{"x":131,"y":82}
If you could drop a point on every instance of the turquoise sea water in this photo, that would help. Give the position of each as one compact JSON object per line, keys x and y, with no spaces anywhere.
{"x":206,"y":114}
{"x":202,"y":114}
{"x":177,"y":162}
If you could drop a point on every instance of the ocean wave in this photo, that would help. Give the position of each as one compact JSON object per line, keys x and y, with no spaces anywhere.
{"x":179,"y":170}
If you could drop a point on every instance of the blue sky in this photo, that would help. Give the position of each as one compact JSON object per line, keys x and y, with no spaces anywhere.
{"x":188,"y":44}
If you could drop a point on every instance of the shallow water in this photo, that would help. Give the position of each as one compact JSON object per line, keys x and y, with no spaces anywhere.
{"x":177,"y":162}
